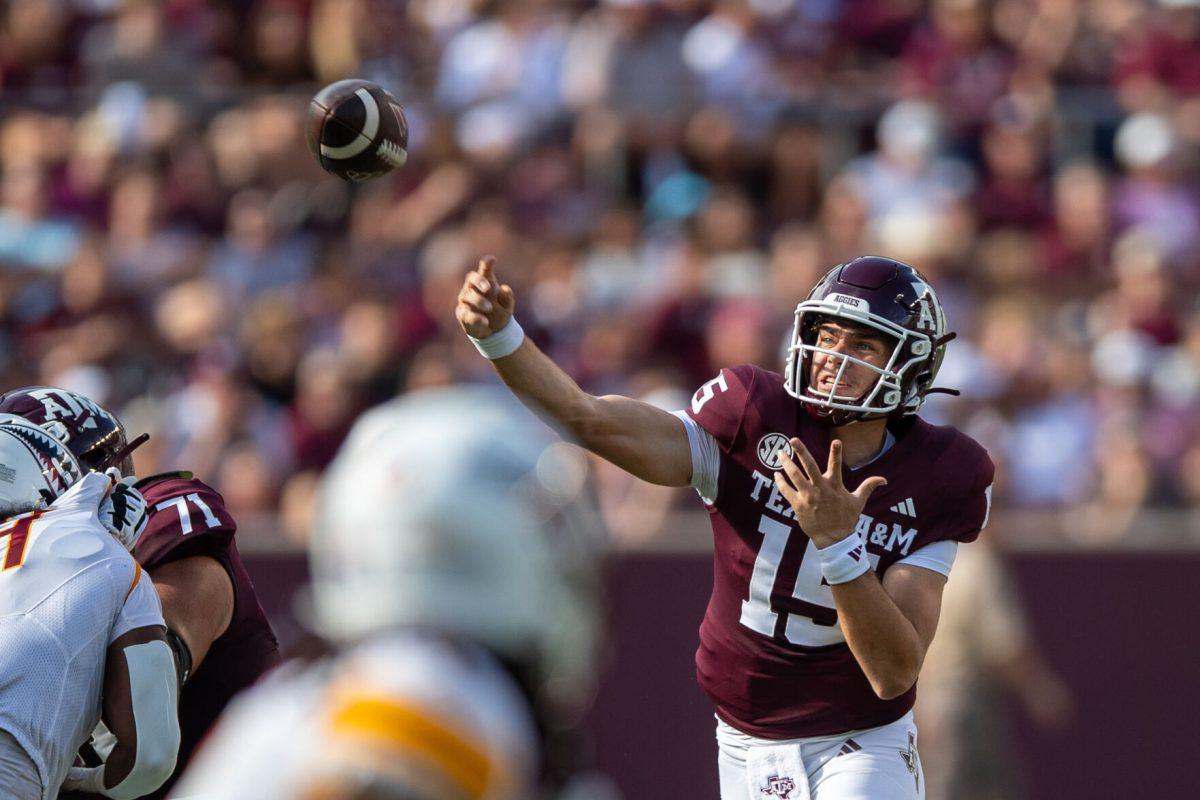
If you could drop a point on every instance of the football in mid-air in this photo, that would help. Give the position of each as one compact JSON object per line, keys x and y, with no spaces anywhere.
{"x":357,"y":130}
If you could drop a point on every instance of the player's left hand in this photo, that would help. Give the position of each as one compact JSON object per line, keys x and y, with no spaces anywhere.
{"x":124,"y":510}
{"x":826,"y":510}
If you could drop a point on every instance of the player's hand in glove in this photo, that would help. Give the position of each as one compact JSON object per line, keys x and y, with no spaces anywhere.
{"x":124,"y":510}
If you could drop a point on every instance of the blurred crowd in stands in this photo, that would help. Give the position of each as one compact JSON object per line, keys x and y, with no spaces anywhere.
{"x":661,"y":181}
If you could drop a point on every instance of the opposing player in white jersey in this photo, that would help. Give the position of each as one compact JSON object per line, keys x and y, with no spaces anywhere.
{"x":454,"y":563}
{"x":81,"y":630}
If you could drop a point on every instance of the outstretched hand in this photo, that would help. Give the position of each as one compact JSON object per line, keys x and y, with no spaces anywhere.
{"x":826,"y":510}
{"x":484,"y":305}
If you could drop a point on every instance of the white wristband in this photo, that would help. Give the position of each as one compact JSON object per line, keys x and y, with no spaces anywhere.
{"x":503,"y":342}
{"x":844,"y":561}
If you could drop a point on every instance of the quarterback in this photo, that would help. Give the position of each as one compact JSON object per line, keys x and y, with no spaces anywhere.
{"x":81,"y":630}
{"x":218,"y":631}
{"x":836,"y":514}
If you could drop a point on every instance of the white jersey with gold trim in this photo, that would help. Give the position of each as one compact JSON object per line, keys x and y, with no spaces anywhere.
{"x":68,"y":589}
{"x":410,"y":716}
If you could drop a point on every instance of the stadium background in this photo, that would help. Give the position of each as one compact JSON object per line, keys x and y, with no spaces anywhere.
{"x":661,"y":180}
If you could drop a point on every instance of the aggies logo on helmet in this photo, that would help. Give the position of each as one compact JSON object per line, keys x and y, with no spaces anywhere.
{"x":60,"y":405}
{"x":926,"y":321}
{"x":93,"y":435}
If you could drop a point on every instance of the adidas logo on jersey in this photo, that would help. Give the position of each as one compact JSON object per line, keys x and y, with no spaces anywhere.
{"x":906,"y":508}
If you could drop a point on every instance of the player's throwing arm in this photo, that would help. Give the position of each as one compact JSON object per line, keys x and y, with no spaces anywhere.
{"x":638,"y":437}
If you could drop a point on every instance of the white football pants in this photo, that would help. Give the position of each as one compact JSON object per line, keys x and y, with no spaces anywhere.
{"x":872,"y":764}
{"x":19,"y":779}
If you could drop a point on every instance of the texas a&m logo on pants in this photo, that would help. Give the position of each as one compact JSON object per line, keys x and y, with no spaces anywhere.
{"x":779,"y":787}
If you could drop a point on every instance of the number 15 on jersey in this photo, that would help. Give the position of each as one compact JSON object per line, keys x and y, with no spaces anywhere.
{"x":811,"y":615}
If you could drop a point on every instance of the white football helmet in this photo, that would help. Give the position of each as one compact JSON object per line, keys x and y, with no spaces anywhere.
{"x":458,"y":510}
{"x":35,"y":468}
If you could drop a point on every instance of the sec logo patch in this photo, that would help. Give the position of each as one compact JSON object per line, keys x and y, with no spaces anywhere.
{"x":772,"y":449}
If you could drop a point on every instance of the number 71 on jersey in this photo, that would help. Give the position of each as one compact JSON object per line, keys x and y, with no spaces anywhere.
{"x":185,"y":515}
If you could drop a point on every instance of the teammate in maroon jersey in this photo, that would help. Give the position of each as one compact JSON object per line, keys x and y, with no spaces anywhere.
{"x":215,"y":623}
{"x":827,"y":579}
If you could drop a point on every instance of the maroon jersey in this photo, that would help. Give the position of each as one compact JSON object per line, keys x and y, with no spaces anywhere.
{"x":772,"y":656}
{"x":188,"y":518}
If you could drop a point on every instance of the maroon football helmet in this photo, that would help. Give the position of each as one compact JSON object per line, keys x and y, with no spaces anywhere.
{"x":888,"y":297}
{"x":93,"y":435}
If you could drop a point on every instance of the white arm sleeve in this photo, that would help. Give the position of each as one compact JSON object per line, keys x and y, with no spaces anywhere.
{"x":142,"y":607}
{"x":938,"y":557}
{"x":706,"y":458}
{"x":152,"y":687}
